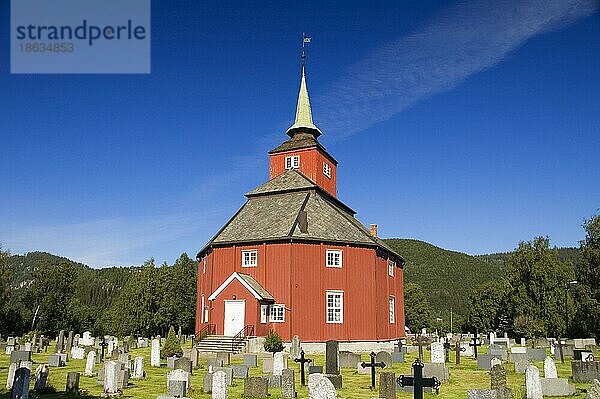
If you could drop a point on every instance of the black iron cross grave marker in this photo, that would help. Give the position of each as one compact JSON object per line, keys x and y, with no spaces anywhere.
{"x":373,"y":365}
{"x":560,"y":345}
{"x":302,"y":360}
{"x":421,"y":340}
{"x":103,"y":345}
{"x":458,"y":349}
{"x":447,"y":347}
{"x":417,"y":381}
{"x":475,"y":343}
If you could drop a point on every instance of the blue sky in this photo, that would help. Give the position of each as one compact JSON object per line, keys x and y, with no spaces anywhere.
{"x":470,"y":125}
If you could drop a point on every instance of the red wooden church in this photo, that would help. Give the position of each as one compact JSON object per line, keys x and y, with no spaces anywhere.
{"x":294,"y":258}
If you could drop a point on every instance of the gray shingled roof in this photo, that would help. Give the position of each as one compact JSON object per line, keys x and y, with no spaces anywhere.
{"x":301,"y":140}
{"x":272,"y":209}
{"x":257,"y":287}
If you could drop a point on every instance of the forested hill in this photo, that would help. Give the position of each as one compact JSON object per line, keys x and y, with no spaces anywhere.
{"x":446,"y":277}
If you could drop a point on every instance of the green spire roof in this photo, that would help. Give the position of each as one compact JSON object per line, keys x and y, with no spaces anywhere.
{"x":304,"y":121}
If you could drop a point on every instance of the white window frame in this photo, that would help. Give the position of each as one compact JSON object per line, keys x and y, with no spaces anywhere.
{"x":292,"y":162}
{"x":332,"y":261}
{"x":335,"y":310}
{"x":277,"y":313}
{"x":392,"y":309}
{"x":391,"y":267}
{"x":202,"y":310}
{"x":204,"y":265}
{"x":327,"y":169}
{"x":264,"y":311}
{"x":248,"y":261}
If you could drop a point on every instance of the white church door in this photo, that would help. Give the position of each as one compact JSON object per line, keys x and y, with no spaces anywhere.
{"x":234,"y":317}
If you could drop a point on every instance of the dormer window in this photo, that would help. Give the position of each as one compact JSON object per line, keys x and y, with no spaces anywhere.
{"x":292,"y":162}
{"x":326,"y":169}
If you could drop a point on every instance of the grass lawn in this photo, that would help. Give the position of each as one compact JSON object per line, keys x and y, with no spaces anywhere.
{"x":463,"y":377}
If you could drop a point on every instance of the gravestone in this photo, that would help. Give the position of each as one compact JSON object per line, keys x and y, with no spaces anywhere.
{"x":288,"y":385}
{"x":482,"y":394}
{"x":384,"y":357}
{"x":256,"y":387}
{"x":521,"y":366}
{"x":498,"y":351}
{"x":77,"y":352}
{"x":274,"y":381}
{"x":228,"y":373}
{"x":359,"y":369}
{"x":69,"y":343}
{"x":239,"y":371}
{"x":111,"y":376}
{"x":437,"y":352}
{"x":72,"y":383}
{"x":171,"y":362}
{"x":155,"y":353}
{"x":437,"y":370}
{"x":319,"y":387}
{"x":60,"y":343}
{"x":20,"y":387}
{"x":314,"y":369}
{"x":536,"y":354}
{"x":55,"y":361}
{"x":594,"y":391}
{"x":90,"y":363}
{"x":12,"y":369}
{"x":397,"y":357}
{"x":295,"y":347}
{"x":484,"y":362}
{"x":18,"y":356}
{"x":224,"y":357}
{"x":138,"y":368}
{"x":387,"y":385}
{"x":585,"y":371}
{"x":498,"y":382}
{"x":192,"y":354}
{"x":476,"y":343}
{"x":466,"y":349}
{"x":532,"y":383}
{"x":518,"y":349}
{"x":279,"y":363}
{"x":417,"y":382}
{"x":250,"y":360}
{"x":219,"y":385}
{"x":495,"y":361}
{"x":207,"y":383}
{"x":178,"y":383}
{"x":87,"y":339}
{"x":348,"y":359}
{"x":550,"y":368}
{"x":41,"y":377}
{"x":332,"y":357}
{"x":556,"y":387}
{"x":372,"y":365}
{"x":268,"y":366}
{"x":212,"y":363}
{"x":183,"y":363}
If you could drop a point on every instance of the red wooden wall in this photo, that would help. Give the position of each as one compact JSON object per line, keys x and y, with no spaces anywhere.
{"x":296,"y":276}
{"x":311,"y":166}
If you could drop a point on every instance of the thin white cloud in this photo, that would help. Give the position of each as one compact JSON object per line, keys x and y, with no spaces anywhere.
{"x":464,"y":39}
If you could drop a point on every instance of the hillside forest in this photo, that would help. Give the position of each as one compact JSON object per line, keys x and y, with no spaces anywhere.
{"x":535,"y":290}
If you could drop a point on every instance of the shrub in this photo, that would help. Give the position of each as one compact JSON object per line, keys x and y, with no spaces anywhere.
{"x":273,"y":342}
{"x":172,"y":347}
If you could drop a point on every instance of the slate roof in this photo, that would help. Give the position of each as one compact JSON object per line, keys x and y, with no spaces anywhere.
{"x":272,"y":210}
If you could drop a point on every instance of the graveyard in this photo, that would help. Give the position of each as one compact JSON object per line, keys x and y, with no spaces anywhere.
{"x":461,"y":380}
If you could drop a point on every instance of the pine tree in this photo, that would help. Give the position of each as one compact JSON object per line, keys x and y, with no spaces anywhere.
{"x":172,"y":347}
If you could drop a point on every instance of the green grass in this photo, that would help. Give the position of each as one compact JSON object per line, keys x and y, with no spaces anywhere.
{"x":463,"y":377}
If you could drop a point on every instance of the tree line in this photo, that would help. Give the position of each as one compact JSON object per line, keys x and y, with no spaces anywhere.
{"x":44,"y":293}
{"x":542,"y":292}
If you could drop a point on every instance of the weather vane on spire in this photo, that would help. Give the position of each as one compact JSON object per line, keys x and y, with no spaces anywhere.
{"x":305,"y":39}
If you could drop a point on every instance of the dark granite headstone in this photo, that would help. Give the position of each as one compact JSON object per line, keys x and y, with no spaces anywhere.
{"x":332,"y":357}
{"x":72,"y":383}
{"x":315,"y":369}
{"x":585,"y":371}
{"x":17,"y":356}
{"x":256,"y":387}
{"x":183,"y":363}
{"x":336,"y":380}
{"x":240,"y":371}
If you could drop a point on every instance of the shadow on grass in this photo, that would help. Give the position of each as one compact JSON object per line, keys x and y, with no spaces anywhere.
{"x":54,"y":395}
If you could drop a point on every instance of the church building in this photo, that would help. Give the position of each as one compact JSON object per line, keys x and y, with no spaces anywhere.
{"x":294,"y":258}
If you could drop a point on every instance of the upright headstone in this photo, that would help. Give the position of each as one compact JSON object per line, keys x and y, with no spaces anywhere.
{"x":69,"y":343}
{"x":138,"y":368}
{"x":256,"y":387}
{"x":498,"y":382}
{"x":437,"y":352}
{"x":250,"y":360}
{"x":90,"y":363}
{"x":387,"y":385}
{"x":224,"y":357}
{"x":279,"y":363}
{"x":72,"y":383}
{"x":295,"y":347}
{"x":288,"y":384}
{"x":111,"y":376}
{"x":332,"y":357}
{"x":219,"y":385}
{"x":178,"y":383}
{"x":550,"y":368}
{"x":41,"y":377}
{"x":155,"y":353}
{"x":60,"y":343}
{"x":532,"y":383}
{"x":20,"y":388}
{"x":320,"y":387}
{"x":384,"y":357}
{"x":594,"y":391}
{"x":183,"y":363}
{"x":12,"y":369}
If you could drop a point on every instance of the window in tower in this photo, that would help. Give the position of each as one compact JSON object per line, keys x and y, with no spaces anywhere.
{"x":326,"y":169}
{"x":292,"y":162}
